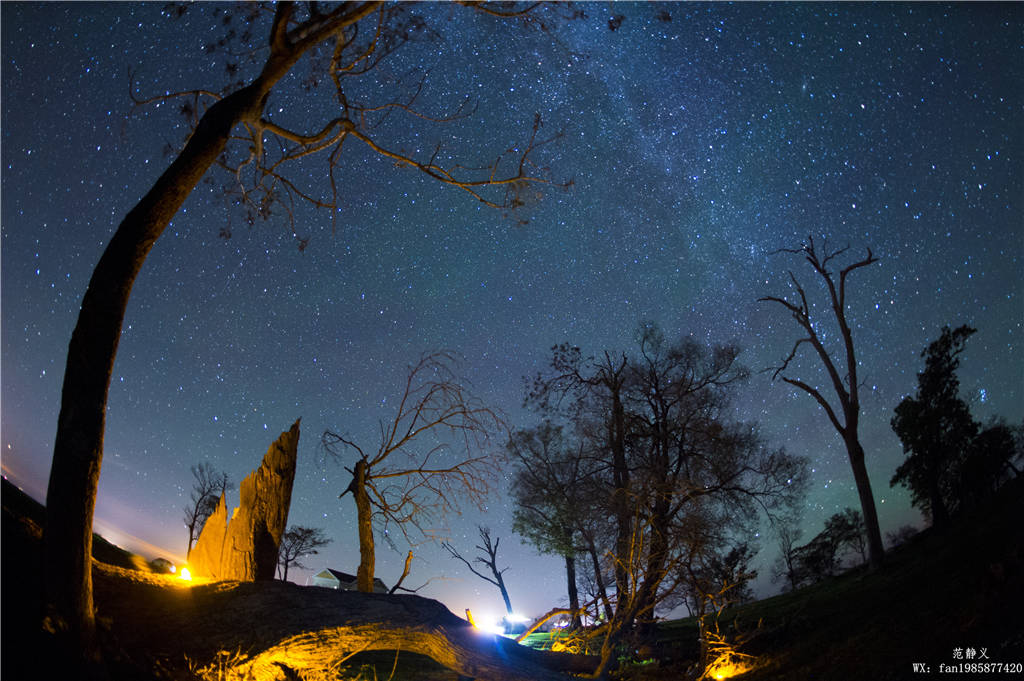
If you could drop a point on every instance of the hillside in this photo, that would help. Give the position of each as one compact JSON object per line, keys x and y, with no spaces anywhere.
{"x":935,"y":594}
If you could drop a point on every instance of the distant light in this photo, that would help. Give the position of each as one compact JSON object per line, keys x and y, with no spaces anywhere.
{"x":517,"y":618}
{"x":174,"y":568}
{"x":485,"y":623}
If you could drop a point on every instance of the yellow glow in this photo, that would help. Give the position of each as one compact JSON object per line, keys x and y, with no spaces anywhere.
{"x":724,"y":669}
{"x":185,"y":574}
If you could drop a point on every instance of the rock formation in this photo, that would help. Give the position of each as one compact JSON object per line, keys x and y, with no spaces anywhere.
{"x":245,"y":547}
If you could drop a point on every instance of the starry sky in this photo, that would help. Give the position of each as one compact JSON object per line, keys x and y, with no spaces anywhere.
{"x":700,"y":138}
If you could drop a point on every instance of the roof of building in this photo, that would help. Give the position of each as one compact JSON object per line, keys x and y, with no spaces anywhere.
{"x":342,"y":576}
{"x":348,"y":579}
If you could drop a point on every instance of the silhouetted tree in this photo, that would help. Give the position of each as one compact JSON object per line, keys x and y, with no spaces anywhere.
{"x":412,"y":480}
{"x":207,"y":489}
{"x":936,"y":429}
{"x":596,"y":384}
{"x":488,"y":557}
{"x":847,"y":529}
{"x":988,"y":463}
{"x":548,"y":489}
{"x":787,"y":567}
{"x":842,"y":372}
{"x":667,"y":456}
{"x":717,"y":571}
{"x":234,"y":129}
{"x":296,"y":543}
{"x":900,"y":535}
{"x":822,"y":556}
{"x":817,"y":559}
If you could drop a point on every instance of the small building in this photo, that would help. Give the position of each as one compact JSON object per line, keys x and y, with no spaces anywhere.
{"x":336,"y":579}
{"x":162,"y":566}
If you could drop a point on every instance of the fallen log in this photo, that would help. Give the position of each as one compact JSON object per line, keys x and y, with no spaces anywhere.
{"x":279,"y":629}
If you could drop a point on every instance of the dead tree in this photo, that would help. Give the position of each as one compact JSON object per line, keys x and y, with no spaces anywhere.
{"x":842,"y":372}
{"x":234,"y":129}
{"x":488,"y":549}
{"x":411,"y":480}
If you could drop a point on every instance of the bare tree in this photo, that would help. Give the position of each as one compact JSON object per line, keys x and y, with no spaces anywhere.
{"x":235,"y":130}
{"x":298,"y":542}
{"x":488,"y":557}
{"x":207,"y":489}
{"x":842,"y":372}
{"x":786,"y":566}
{"x":412,"y":479}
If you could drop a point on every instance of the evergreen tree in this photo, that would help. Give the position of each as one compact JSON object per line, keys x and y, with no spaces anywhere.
{"x":936,"y":429}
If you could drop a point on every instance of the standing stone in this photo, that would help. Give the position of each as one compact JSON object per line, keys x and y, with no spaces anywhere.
{"x":207,"y":554}
{"x":246,"y":547}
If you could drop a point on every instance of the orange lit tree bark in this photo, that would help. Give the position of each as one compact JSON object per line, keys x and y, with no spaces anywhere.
{"x":232,"y":130}
{"x":411,"y":480}
{"x":842,"y":373}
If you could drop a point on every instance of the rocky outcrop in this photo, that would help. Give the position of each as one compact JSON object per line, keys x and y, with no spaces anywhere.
{"x":245,"y":547}
{"x":207,"y":555}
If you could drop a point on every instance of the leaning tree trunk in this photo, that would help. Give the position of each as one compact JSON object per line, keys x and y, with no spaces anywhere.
{"x":504,"y":593}
{"x":78,"y":445}
{"x":364,"y":518}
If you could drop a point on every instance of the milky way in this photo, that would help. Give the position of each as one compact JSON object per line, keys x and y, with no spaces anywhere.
{"x":699,"y":138}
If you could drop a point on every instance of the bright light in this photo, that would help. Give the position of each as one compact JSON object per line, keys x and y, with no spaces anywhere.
{"x":174,"y":568}
{"x":485,"y":623}
{"x":185,"y":574}
{"x":491,"y":626}
{"x":516,"y":618}
{"x":723,"y":668}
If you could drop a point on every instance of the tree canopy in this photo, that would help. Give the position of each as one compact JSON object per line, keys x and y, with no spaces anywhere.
{"x":658,"y":459}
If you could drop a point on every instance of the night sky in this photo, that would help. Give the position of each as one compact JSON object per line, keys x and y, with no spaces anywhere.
{"x":700,"y":138}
